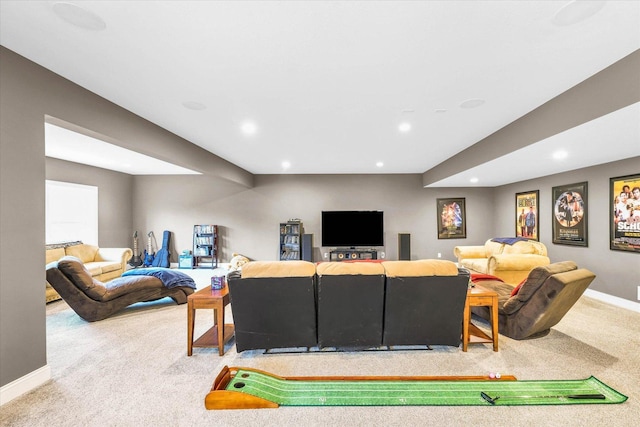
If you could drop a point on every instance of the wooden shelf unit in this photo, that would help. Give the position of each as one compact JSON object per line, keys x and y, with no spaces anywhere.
{"x":205,"y":246}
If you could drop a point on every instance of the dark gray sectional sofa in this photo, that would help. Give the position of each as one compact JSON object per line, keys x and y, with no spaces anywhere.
{"x":291,"y":304}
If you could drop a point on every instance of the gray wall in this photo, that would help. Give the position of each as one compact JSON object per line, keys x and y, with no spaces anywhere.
{"x":22,"y":322}
{"x":250,"y":218}
{"x":31,"y":95}
{"x":617,"y":272}
{"x":115,"y":197}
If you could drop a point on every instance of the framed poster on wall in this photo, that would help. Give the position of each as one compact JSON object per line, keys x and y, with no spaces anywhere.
{"x":452,"y":222}
{"x":569,"y":204}
{"x":527,"y":215}
{"x":624,"y":223}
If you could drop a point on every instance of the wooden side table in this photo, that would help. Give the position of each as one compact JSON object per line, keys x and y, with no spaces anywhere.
{"x":219,"y":333}
{"x":478,"y":296}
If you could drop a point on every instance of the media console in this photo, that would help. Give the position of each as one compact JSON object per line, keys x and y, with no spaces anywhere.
{"x":352,"y":254}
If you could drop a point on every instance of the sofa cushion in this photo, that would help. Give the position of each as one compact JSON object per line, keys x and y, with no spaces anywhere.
{"x":106,"y":266}
{"x":54,"y":254}
{"x":278,"y":269}
{"x":493,"y":248}
{"x":73,"y":268}
{"x":94,"y":268}
{"x":349,"y":268}
{"x":86,"y":253}
{"x":476,"y":264}
{"x":522,"y":247}
{"x":425,"y":267}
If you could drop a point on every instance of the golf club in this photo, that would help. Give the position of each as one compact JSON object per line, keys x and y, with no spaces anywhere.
{"x":599,"y":396}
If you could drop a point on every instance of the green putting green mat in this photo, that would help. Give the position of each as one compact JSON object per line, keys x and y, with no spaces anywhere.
{"x":299,"y":392}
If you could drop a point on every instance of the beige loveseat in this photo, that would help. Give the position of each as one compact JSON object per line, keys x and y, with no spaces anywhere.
{"x":104,"y":264}
{"x":511,"y":263}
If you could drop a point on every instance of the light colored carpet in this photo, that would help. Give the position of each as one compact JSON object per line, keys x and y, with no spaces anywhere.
{"x":133,"y":370}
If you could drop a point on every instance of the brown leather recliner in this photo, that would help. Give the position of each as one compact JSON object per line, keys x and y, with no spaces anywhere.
{"x":93,"y":300}
{"x":543,"y":299}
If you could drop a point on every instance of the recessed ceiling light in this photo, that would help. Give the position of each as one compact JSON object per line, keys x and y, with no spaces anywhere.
{"x":472,"y":103}
{"x":379,"y":164}
{"x":441,"y":110}
{"x":193,"y":105}
{"x":249,"y":128}
{"x":78,"y":16}
{"x":404,"y":127}
{"x":473,"y":180}
{"x":576,"y":11}
{"x":408,"y":111}
{"x":560,"y":154}
{"x":286,"y":165}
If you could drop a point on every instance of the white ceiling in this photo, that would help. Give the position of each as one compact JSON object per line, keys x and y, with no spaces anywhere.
{"x":612,"y":137}
{"x":327,"y":83}
{"x":68,"y":145}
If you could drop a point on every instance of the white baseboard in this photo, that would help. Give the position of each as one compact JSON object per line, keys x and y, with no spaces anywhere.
{"x":613,"y":300}
{"x":24,"y":384}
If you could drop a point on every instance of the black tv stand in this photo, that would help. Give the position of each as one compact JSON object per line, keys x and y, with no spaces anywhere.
{"x":352,"y":254}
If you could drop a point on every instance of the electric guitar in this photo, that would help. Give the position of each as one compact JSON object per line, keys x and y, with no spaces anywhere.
{"x":148,"y":253}
{"x":135,"y":260}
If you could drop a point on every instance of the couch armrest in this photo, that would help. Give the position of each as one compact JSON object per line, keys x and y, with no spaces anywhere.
{"x":464,"y":252}
{"x":121,"y":255}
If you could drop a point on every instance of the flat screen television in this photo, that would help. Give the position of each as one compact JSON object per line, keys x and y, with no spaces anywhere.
{"x":352,"y":228}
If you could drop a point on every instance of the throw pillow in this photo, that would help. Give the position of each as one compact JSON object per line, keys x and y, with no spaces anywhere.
{"x":477,"y":277}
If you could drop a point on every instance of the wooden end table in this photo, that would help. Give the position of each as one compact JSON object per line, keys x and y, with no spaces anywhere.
{"x":478,"y":296}
{"x":219,"y":333}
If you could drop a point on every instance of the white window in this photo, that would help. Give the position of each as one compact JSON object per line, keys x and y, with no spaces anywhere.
{"x":71,"y":212}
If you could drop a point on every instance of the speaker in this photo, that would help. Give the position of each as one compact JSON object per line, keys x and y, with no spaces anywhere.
{"x":307,"y":247}
{"x":404,"y":246}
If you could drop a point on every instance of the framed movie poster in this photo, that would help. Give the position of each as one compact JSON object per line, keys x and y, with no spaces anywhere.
{"x":624,"y":194}
{"x":452,"y":221}
{"x":527,"y":215}
{"x":570,"y":214}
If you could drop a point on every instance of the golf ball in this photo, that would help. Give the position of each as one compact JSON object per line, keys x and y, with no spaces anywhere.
{"x":498,"y":375}
{"x":492,"y":375}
